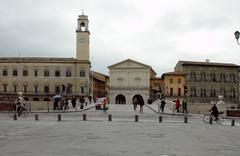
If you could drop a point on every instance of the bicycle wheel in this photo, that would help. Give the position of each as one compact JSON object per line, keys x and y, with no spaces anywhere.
{"x":24,"y":114}
{"x":206,"y":118}
{"x":11,"y":113}
{"x":220,"y":119}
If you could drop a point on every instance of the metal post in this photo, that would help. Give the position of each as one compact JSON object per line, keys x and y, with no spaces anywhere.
{"x":14,"y":116}
{"x":160,"y":118}
{"x":210,"y":120}
{"x":36,"y":117}
{"x":136,"y":118}
{"x":84,"y":117}
{"x":233,"y":122}
{"x":109,"y":117}
{"x":59,"y":117}
{"x":185,"y":119}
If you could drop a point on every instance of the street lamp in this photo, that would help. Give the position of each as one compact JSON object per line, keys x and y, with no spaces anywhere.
{"x":237,"y":33}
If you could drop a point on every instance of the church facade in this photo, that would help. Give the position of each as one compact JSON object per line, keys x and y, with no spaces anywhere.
{"x":129,"y":79}
{"x":41,"y":78}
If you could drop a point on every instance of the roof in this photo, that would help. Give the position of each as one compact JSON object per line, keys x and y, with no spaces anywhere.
{"x":174,"y":73}
{"x":37,"y":60}
{"x":196,"y":63}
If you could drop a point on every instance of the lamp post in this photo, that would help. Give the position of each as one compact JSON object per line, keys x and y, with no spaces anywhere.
{"x":237,"y":33}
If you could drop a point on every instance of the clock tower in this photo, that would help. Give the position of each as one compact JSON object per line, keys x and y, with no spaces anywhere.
{"x":82,"y":38}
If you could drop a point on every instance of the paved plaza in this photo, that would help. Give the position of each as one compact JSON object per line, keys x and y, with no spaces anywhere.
{"x":122,"y":136}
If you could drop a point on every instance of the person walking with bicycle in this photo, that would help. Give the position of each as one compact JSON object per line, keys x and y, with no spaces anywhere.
{"x":214,"y":111}
{"x":19,"y":103}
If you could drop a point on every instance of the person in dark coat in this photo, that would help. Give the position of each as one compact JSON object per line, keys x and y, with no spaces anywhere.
{"x":135,"y":101}
{"x":55,"y":104}
{"x":73,"y":101}
{"x":141,"y":103}
{"x":163,"y":103}
{"x":81,"y":100}
{"x":184,"y":106}
{"x":66,"y":104}
{"x":214,"y":111}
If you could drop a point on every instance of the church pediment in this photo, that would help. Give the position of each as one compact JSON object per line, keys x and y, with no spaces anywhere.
{"x":128,"y":64}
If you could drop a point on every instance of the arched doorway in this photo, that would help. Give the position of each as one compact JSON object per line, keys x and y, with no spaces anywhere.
{"x":137,"y":98}
{"x":120,"y":99}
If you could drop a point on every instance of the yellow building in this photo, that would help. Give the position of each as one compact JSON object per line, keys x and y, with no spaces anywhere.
{"x":41,"y":78}
{"x":174,"y":83}
{"x":100,"y":85}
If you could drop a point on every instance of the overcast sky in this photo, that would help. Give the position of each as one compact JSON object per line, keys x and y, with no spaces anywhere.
{"x":154,"y":32}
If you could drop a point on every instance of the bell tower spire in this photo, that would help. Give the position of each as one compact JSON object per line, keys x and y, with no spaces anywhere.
{"x":82,"y":51}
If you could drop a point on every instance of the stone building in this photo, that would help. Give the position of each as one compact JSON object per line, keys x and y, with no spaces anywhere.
{"x":100,"y":84}
{"x":130,"y":79}
{"x":206,"y":80}
{"x":41,"y":78}
{"x":174,"y":84}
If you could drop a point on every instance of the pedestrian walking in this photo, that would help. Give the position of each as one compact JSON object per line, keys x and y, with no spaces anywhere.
{"x":184,"y":106}
{"x":177,"y":104}
{"x":141,"y":103}
{"x":163,"y":103}
{"x":81,"y":100}
{"x":55,"y":104}
{"x":73,"y":101}
{"x":66,"y":104}
{"x":135,"y":102}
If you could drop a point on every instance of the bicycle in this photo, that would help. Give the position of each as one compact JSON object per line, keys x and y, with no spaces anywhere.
{"x":206,"y":117}
{"x":19,"y":111}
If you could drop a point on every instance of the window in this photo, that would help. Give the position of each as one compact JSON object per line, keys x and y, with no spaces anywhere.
{"x":193,"y":92}
{"x":68,"y":73}
{"x":192,"y":76}
{"x":57,"y":73}
{"x":213,"y":92}
{"x":35,"y":88}
{"x":213,"y":77}
{"x":232,"y":93}
{"x":57,"y":89}
{"x":222,"y":77}
{"x":5,"y":72}
{"x":46,"y":72}
{"x":14,"y":88}
{"x":203,"y":92}
{"x":231,"y":78}
{"x":179,"y":81}
{"x":35,"y":73}
{"x":171,"y":81}
{"x":25,"y":73}
{"x":15,"y":72}
{"x":82,"y":90}
{"x":223,"y":92}
{"x":82,"y":73}
{"x":25,"y":88}
{"x":203,"y":76}
{"x":4,"y":88}
{"x":46,"y":89}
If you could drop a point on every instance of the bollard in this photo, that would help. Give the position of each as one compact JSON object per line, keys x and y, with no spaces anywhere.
{"x":233,"y":122}
{"x":185,"y":119}
{"x":36,"y":117}
{"x":84,"y":117}
{"x":109,"y":117}
{"x":210,"y":120}
{"x":136,"y":118}
{"x":160,"y":118}
{"x":14,"y":116}
{"x":59,"y":117}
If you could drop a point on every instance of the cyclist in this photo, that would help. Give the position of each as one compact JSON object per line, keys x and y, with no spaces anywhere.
{"x":19,"y":103}
{"x":214,"y":111}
